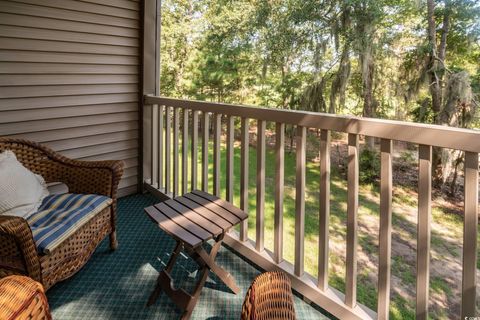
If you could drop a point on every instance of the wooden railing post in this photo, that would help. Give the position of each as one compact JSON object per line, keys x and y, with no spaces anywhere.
{"x":176,"y":169}
{"x":206,"y":129}
{"x":154,"y":147}
{"x":279,"y":189}
{"x":352,"y":224}
{"x":385,"y":238}
{"x":423,"y":229}
{"x":324,"y":214}
{"x":168,"y":149}
{"x":300,"y":201}
{"x":216,"y":154}
{"x":244,"y":176}
{"x":470,"y":229}
{"x":230,"y":157}
{"x":160,"y":170}
{"x":260,"y":221}
{"x":194,"y":171}
{"x":185,"y":152}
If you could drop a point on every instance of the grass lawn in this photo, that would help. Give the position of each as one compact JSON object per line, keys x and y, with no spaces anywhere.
{"x":446,"y":244}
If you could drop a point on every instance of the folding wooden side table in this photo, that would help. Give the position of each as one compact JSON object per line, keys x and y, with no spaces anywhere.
{"x":191,"y":220}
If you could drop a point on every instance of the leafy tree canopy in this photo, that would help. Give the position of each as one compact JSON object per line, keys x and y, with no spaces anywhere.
{"x":385,"y":58}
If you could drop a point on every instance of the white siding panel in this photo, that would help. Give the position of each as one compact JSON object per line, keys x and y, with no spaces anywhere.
{"x":56,"y":24}
{"x":50,"y":102}
{"x":66,"y":57}
{"x":61,"y":79}
{"x":37,"y":10}
{"x":63,"y":46}
{"x":81,"y":6}
{"x":69,"y":78}
{"x":87,"y":131}
{"x":50,"y":124}
{"x":66,"y":112}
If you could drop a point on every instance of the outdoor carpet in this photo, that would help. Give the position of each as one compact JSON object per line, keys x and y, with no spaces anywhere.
{"x":116,"y":285}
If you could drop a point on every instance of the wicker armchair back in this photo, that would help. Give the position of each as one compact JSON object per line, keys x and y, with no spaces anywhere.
{"x":93,"y":177}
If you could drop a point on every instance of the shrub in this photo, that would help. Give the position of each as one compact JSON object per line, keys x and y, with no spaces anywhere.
{"x":369,"y":166}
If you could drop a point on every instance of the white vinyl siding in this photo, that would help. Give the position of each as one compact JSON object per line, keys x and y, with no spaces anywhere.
{"x":69,"y":78}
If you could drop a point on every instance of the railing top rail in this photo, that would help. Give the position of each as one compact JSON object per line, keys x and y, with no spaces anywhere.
{"x":434,"y":135}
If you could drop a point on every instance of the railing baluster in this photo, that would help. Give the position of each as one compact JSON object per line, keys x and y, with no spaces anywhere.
{"x":260,"y":223}
{"x":176,"y":171}
{"x":279,"y":189}
{"x":385,"y":238}
{"x":206,"y":131}
{"x":470,"y":227}
{"x":324,"y":212}
{"x":244,"y":176}
{"x":185,"y":152}
{"x":423,"y":229}
{"x":230,"y":157}
{"x":161,"y":110}
{"x":168,"y":150}
{"x":194,"y":150}
{"x":154,"y":151}
{"x":352,"y":225}
{"x":216,"y":154}
{"x":300,"y":200}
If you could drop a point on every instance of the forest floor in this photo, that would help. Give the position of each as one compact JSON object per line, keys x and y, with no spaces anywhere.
{"x":446,"y":226}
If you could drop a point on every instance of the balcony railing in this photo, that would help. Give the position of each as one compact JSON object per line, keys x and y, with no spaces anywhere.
{"x":166,"y":115}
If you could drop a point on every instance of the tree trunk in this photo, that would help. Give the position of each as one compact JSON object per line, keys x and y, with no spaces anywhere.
{"x":368,"y":69}
{"x":339,"y":83}
{"x":435,"y":87}
{"x":441,"y":161}
{"x":365,"y":34}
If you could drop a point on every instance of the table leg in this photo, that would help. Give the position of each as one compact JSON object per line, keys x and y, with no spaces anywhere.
{"x":206,"y":263}
{"x":209,"y":260}
{"x":171,"y":262}
{"x":196,"y":294}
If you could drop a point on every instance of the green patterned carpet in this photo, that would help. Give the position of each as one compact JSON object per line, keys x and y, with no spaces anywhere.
{"x":116,"y":285}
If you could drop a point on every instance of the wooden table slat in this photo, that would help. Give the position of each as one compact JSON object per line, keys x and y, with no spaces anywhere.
{"x":224,"y":204}
{"x":204,"y":212}
{"x":183,"y":222}
{"x":194,"y":217}
{"x":172,"y":228}
{"x":230,"y":217}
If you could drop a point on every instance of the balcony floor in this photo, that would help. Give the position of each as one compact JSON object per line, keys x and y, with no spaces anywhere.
{"x":116,"y":285}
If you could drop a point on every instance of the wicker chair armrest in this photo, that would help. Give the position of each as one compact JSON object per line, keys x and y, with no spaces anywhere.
{"x":18,"y":230}
{"x":95,"y":177}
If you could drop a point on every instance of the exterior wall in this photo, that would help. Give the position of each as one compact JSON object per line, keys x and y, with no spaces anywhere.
{"x":151,"y":86}
{"x":69,"y":78}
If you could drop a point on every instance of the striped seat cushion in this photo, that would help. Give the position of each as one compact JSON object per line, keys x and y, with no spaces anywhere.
{"x":60,"y":215}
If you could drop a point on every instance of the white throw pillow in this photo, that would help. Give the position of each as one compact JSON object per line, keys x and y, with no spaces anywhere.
{"x":21,"y":191}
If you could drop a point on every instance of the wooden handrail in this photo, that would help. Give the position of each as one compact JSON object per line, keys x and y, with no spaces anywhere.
{"x":418,"y":133}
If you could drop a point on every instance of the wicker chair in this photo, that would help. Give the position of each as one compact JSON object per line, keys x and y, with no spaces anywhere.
{"x":18,"y":253}
{"x":269,"y":297}
{"x":22,"y":298}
